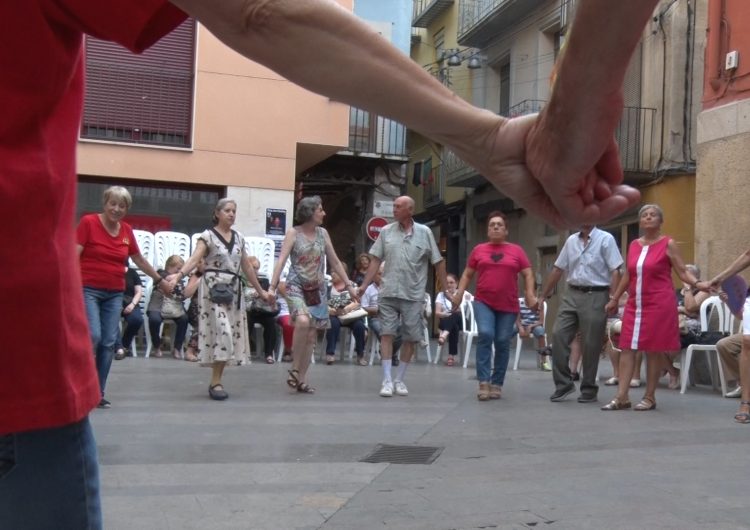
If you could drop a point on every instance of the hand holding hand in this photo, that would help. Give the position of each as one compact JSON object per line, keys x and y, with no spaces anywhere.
{"x":611,"y":307}
{"x":168,"y":285}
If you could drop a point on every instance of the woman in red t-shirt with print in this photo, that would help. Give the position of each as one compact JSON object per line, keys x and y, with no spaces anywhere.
{"x":104,"y":243}
{"x":497,"y":264}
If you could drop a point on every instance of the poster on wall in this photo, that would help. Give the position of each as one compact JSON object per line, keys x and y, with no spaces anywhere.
{"x":275,"y":222}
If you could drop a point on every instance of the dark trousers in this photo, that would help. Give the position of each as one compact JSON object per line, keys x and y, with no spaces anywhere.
{"x":269,"y":331}
{"x":154,"y":323}
{"x":133,"y":323}
{"x":584,"y":312}
{"x":452,"y":325}
{"x":358,"y":330}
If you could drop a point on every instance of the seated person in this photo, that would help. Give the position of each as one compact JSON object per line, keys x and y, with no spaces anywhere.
{"x":191,"y":291}
{"x":729,"y":349}
{"x":260,"y":312}
{"x":284,"y":320}
{"x":339,"y":304}
{"x":157,"y":311}
{"x":612,"y":348}
{"x":369,"y":302}
{"x":131,"y":313}
{"x":449,"y":321}
{"x":360,"y":268}
{"x":531,"y":322}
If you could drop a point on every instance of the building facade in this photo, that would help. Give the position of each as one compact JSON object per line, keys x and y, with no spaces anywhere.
{"x":723,"y":137}
{"x":517,"y":43}
{"x":240,"y":130}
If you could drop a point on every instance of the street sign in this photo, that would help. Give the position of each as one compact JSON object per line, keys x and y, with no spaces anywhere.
{"x":382,"y":209}
{"x":374,"y":226}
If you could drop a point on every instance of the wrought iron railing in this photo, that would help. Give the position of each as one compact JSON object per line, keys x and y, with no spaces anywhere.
{"x":375,"y":135}
{"x":527,"y":106}
{"x":635,"y":136}
{"x":473,"y":12}
{"x":425,"y":11}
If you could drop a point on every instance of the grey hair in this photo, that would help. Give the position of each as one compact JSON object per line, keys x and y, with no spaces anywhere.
{"x":692,"y":267}
{"x":117,"y":193}
{"x":219,"y":206}
{"x":306,"y":208}
{"x":652,"y":207}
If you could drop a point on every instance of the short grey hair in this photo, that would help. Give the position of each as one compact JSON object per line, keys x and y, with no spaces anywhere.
{"x":652,"y":207}
{"x":306,"y":208}
{"x":117,"y":193}
{"x":694,"y":269}
{"x":220,"y":206}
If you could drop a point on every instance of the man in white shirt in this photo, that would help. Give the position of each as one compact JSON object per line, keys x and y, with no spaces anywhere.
{"x":592,"y":262}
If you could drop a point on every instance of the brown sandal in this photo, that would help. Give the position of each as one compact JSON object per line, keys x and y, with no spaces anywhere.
{"x":496,"y":391}
{"x":484,"y":392}
{"x":305,"y":388}
{"x":616,"y":404}
{"x":645,"y":404}
{"x":292,"y":380}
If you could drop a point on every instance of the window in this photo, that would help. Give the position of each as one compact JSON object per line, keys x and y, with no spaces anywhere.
{"x":145,"y":99}
{"x":504,"y":89}
{"x":156,"y":206}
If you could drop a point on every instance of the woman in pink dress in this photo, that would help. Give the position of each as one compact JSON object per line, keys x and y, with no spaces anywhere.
{"x":649,"y":323}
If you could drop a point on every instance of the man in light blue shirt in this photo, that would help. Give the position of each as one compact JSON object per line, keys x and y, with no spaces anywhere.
{"x":407,"y":248}
{"x":592,"y":262}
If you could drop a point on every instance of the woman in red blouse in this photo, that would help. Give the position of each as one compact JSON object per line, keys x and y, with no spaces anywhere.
{"x":104,"y":243}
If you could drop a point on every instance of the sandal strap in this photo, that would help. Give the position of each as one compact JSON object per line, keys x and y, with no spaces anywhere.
{"x":744,"y":402}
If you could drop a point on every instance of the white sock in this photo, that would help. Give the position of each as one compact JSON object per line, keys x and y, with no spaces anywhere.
{"x":386,"y":369}
{"x":400,"y":371}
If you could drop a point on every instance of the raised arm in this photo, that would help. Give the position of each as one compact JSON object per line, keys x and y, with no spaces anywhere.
{"x":574,"y":166}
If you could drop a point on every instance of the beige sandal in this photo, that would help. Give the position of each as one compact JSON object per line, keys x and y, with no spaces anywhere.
{"x":496,"y":391}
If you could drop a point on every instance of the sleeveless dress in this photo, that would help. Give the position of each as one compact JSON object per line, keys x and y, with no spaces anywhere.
{"x":650,"y":322}
{"x":307,"y":267}
{"x":222,"y":330}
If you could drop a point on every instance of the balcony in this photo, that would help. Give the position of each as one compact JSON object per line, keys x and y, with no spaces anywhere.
{"x":634,"y":136}
{"x":426,"y":11}
{"x":374,"y":136}
{"x":432,"y":191}
{"x":481,"y":21}
{"x":458,"y":173}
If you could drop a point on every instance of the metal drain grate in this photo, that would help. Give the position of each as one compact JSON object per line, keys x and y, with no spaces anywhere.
{"x":403,"y":454}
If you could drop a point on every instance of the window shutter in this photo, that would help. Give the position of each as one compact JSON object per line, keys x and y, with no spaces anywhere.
{"x":145,"y":98}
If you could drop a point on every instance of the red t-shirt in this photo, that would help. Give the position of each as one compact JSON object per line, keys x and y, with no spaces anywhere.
{"x":497,"y":268}
{"x":103,"y":255}
{"x":47,"y":377}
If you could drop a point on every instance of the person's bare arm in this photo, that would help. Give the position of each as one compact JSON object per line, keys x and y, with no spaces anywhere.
{"x":463,"y":283}
{"x":562,"y":168}
{"x":550,"y":282}
{"x":528,"y":283}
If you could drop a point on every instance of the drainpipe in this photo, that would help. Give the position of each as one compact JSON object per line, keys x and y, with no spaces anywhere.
{"x":713,"y":68}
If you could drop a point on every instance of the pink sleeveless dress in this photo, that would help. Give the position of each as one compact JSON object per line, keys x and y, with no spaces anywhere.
{"x":650,"y":323}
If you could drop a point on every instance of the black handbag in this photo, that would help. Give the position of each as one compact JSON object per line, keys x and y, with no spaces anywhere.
{"x":224,"y":292}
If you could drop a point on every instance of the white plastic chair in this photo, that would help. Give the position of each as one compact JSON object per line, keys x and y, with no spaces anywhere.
{"x":263,"y":249}
{"x":146,"y":243}
{"x":170,"y":244}
{"x":468,"y":297}
{"x":469,"y":330}
{"x":194,"y":241}
{"x":142,"y":304}
{"x":519,"y":339}
{"x":686,"y":356}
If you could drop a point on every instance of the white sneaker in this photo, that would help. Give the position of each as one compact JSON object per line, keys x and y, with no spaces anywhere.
{"x":387,"y":389}
{"x":737,"y":392}
{"x":401,"y":389}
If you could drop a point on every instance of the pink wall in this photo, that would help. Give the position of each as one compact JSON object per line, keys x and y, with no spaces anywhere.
{"x":728,"y":30}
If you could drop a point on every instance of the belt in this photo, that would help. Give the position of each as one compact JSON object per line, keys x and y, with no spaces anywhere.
{"x":589,"y":288}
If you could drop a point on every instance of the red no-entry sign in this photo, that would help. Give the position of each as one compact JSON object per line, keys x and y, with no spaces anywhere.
{"x":374,"y":226}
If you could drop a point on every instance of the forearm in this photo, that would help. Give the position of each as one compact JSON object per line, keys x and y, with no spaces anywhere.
{"x":310,"y":42}
{"x":551,"y":281}
{"x":146,"y":267}
{"x":740,"y":264}
{"x":600,"y":44}
{"x":441,"y":274}
{"x":624,"y":279}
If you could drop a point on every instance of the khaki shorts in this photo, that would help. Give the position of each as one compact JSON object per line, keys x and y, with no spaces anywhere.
{"x":404,"y":315}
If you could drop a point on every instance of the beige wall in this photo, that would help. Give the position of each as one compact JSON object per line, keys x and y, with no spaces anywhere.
{"x":248,"y":124}
{"x":721,"y":219}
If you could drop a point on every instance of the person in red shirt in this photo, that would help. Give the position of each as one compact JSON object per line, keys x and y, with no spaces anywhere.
{"x":104,"y":242}
{"x":497,"y":264}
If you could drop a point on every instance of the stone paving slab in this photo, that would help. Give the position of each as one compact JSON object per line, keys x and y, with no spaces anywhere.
{"x":271,"y":459}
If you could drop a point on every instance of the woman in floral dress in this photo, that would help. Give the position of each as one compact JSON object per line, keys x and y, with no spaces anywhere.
{"x":222,"y":327}
{"x":307,"y":245}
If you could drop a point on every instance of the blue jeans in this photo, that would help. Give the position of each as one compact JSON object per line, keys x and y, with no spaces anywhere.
{"x":493,"y":327}
{"x":133,"y":323}
{"x":103,"y":310}
{"x":358,"y":330}
{"x":49,"y":478}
